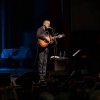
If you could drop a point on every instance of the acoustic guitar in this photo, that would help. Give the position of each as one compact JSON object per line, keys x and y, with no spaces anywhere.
{"x":44,"y":43}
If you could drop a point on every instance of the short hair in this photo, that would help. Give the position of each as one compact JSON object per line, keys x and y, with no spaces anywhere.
{"x":45,"y":21}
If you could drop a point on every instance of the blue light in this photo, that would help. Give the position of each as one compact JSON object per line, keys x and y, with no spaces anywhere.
{"x":3,"y":24}
{"x":5,"y":69}
{"x":2,"y":70}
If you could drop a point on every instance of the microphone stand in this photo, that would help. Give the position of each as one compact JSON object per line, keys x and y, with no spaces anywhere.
{"x":55,"y":43}
{"x":55,"y":52}
{"x":55,"y":47}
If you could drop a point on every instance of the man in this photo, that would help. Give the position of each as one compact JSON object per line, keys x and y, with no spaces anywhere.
{"x":43,"y":52}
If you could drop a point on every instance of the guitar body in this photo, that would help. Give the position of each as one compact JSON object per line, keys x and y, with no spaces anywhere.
{"x":44,"y":43}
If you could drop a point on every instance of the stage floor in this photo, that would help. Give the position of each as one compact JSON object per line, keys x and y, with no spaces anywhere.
{"x":15,"y":71}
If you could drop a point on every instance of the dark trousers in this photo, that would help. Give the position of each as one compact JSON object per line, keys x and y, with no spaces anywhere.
{"x":42,"y":62}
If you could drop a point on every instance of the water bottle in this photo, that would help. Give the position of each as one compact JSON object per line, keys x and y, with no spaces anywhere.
{"x":64,"y":54}
{"x":60,"y":54}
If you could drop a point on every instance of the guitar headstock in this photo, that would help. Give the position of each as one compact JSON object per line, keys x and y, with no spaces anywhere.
{"x":61,"y":35}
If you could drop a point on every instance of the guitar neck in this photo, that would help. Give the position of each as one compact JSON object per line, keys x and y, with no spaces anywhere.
{"x":56,"y":37}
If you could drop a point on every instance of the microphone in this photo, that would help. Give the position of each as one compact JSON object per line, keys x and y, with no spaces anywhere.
{"x":50,"y":27}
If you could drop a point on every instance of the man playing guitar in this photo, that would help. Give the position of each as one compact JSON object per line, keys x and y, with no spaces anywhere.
{"x":44,"y":39}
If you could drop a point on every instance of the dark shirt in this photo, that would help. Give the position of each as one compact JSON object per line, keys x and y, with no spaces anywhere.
{"x":41,"y":33}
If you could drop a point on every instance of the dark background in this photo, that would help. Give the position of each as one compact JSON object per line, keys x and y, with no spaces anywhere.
{"x":85,"y":33}
{"x":79,"y":20}
{"x":21,"y":16}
